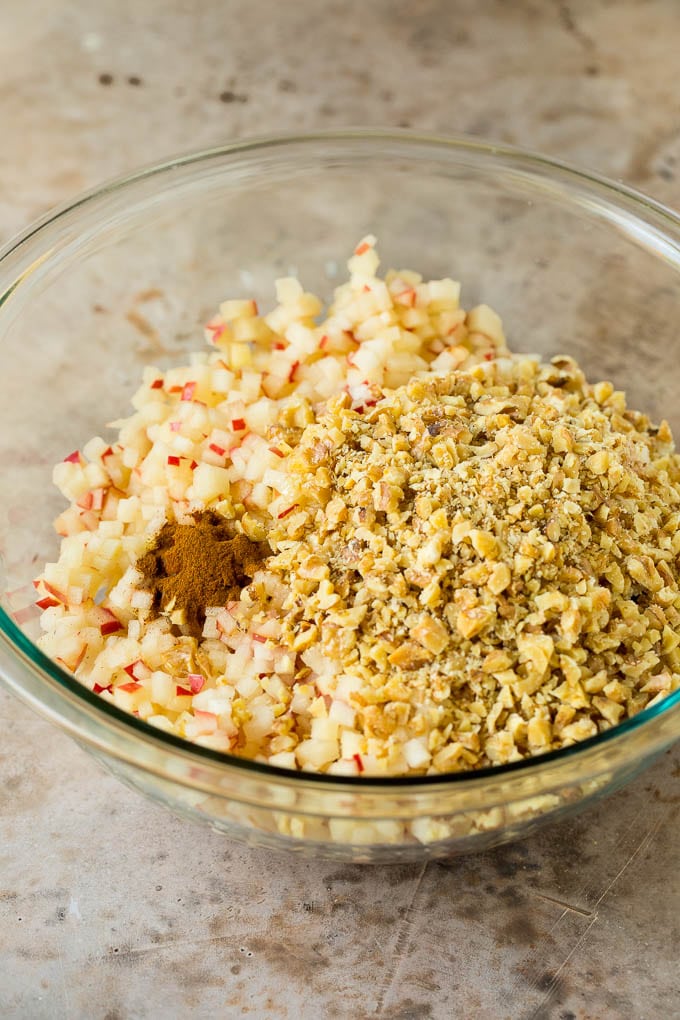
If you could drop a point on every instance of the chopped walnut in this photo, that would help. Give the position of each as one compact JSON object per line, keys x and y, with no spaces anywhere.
{"x":499,"y":541}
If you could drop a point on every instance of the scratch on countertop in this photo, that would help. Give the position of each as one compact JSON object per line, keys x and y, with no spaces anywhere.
{"x":581,"y":940}
{"x":538,"y":1011}
{"x":563,"y":903}
{"x":121,"y":952}
{"x":249,"y":947}
{"x":642,"y":845}
{"x":400,"y":945}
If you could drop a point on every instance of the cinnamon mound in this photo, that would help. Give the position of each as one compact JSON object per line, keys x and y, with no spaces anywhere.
{"x":192,"y":566}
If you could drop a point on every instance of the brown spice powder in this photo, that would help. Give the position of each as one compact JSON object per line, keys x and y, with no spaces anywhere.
{"x":192,"y":566}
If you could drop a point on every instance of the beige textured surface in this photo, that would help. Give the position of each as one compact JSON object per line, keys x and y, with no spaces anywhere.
{"x":111,"y":909}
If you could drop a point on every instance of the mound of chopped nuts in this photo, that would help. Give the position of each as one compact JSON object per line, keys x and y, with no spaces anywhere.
{"x":490,"y":555}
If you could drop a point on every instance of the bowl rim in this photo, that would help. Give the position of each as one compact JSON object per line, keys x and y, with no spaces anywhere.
{"x":456,"y":141}
{"x":16,"y":640}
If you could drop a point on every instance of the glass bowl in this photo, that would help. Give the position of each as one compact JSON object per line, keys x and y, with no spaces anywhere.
{"x":127,"y":274}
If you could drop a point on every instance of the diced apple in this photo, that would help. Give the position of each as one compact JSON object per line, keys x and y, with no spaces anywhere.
{"x":238,"y":309}
{"x":209,"y":483}
{"x":483,"y":319}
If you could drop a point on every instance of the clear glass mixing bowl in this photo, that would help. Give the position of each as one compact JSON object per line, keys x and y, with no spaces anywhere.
{"x":127,"y":275}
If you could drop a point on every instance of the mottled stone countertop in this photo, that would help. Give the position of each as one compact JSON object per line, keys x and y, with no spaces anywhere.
{"x":112,"y":909}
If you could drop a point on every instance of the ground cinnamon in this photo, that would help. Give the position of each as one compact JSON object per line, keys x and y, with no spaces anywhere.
{"x":192,"y":566}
